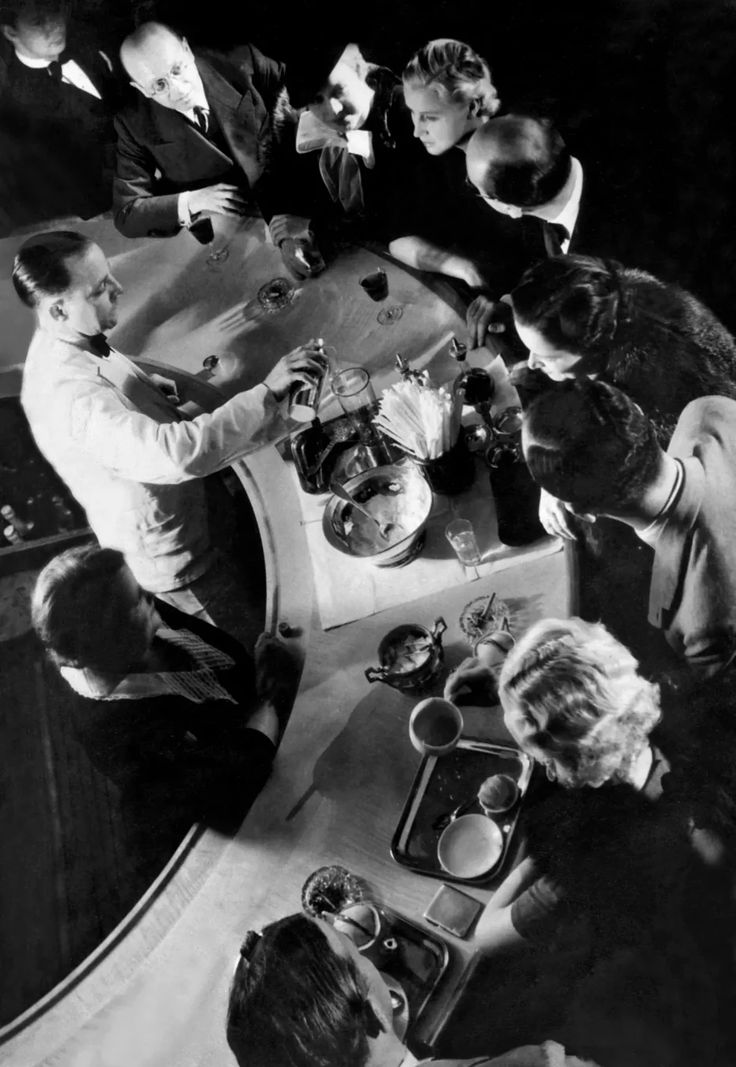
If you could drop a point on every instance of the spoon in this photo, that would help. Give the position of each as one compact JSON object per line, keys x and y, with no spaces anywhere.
{"x":450,"y":816}
{"x":384,"y":528}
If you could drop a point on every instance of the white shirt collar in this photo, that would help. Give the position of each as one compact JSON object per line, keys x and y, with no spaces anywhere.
{"x":568,"y":217}
{"x":651,"y":533}
{"x":71,"y":72}
{"x":35,"y":64}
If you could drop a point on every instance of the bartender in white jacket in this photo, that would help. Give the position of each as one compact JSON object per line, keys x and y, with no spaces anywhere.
{"x":114,"y":435}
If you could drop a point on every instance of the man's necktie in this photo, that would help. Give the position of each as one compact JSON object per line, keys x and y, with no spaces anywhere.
{"x":554,"y":233}
{"x":202,"y":119}
{"x":98,"y":345}
{"x":54,"y":70}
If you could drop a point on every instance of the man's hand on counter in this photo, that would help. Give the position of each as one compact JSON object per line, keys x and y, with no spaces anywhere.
{"x":304,"y":364}
{"x":485,"y":315}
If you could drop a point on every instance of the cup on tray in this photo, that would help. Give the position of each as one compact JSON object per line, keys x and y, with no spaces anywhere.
{"x":435,"y":726}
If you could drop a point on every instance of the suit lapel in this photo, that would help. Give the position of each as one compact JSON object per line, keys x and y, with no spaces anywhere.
{"x":174,"y":129}
{"x":241,"y":117}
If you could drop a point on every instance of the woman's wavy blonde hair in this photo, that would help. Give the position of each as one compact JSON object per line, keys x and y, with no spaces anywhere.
{"x":580,"y":700}
{"x":455,"y":72}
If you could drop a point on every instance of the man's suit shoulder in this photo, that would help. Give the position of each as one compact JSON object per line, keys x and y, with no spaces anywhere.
{"x":245,"y":66}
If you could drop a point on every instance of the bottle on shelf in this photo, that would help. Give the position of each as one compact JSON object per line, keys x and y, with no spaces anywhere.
{"x":11,"y":535}
{"x":23,"y":529}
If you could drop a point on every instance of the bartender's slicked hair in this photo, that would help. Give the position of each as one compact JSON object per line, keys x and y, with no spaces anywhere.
{"x":294,"y":1002}
{"x":41,"y":264}
{"x":527,"y":161}
{"x":590,"y":445}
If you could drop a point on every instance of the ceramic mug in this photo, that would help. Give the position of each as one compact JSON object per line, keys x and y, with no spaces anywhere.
{"x":435,"y":727}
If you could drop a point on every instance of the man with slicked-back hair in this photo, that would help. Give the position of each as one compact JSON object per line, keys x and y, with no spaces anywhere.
{"x":116,"y":435}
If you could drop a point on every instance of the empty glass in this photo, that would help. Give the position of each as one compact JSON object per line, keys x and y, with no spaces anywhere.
{"x":461,"y":535}
{"x":354,"y":390}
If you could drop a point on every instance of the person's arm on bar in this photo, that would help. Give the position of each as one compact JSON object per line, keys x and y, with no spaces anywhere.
{"x":421,"y":254}
{"x":496,"y":929}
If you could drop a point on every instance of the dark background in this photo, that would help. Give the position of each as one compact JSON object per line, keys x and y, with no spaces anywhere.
{"x":642,"y":89}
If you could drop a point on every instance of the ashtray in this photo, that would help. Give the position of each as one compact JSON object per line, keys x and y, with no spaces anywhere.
{"x":482,"y":616}
{"x":410,"y":656}
{"x":276,"y":294}
{"x":329,"y":890}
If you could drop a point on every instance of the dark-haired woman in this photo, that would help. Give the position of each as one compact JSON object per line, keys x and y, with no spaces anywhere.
{"x":304,"y":996}
{"x":175,"y":713}
{"x":580,"y":316}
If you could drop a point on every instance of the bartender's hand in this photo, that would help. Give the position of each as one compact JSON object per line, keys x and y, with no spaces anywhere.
{"x":486,"y":316}
{"x":302,"y":257}
{"x":304,"y":364}
{"x":168,"y":387}
{"x":220,"y":199}
{"x":473,"y":676}
{"x":555,"y":517}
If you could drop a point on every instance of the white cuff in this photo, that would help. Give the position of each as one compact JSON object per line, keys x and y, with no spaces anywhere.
{"x":182,"y":210}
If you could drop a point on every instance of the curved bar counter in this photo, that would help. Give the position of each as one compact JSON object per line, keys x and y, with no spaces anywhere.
{"x":155,"y":992}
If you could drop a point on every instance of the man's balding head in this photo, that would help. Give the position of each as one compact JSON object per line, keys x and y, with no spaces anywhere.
{"x":518,"y":161}
{"x":161,"y":65}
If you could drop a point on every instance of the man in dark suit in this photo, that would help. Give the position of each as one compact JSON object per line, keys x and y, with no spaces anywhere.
{"x":523,"y":169}
{"x":57,"y":98}
{"x":206,"y":136}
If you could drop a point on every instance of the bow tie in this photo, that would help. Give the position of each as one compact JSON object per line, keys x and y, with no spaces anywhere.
{"x":554,"y":234}
{"x":54,"y":70}
{"x":98,"y":346}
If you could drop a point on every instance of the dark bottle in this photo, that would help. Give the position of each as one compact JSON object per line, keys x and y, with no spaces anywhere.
{"x":475,"y":383}
{"x":516,"y":495}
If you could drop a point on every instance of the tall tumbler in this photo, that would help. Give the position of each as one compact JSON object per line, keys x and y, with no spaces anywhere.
{"x":354,"y":391}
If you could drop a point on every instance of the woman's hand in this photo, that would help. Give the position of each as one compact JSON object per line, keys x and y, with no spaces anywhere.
{"x":304,"y":364}
{"x":472,"y":675}
{"x":555,"y":517}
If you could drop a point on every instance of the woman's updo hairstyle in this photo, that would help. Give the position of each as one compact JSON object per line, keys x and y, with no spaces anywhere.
{"x":577,"y":698}
{"x":456,"y":73}
{"x":577,"y":302}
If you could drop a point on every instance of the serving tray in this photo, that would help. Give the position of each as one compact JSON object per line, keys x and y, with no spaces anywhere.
{"x":440,"y":785}
{"x":417,"y":963}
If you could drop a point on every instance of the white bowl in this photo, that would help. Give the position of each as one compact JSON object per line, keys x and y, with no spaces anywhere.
{"x":470,"y":846}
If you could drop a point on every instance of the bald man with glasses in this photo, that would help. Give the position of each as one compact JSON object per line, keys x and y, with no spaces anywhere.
{"x":206,"y":136}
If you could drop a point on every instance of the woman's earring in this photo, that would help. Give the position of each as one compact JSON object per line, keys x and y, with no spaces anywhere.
{"x":550,"y":771}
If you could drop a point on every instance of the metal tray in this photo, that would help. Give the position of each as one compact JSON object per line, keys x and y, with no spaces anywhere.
{"x":441,"y":784}
{"x":418,"y":963}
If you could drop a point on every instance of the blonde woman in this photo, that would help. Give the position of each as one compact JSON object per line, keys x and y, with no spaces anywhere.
{"x":612,"y":889}
{"x":449,"y":93}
